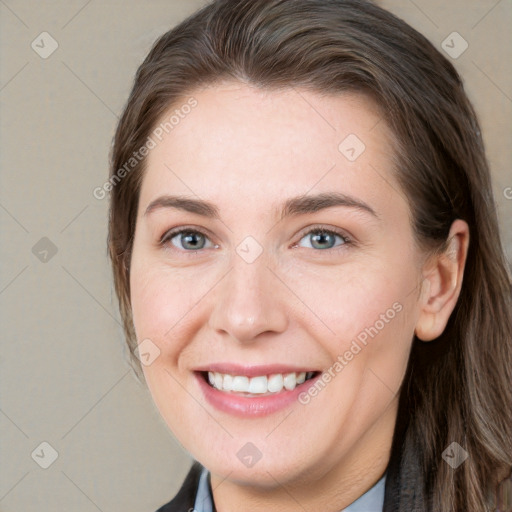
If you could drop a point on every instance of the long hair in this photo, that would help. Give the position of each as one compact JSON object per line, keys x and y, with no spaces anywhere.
{"x":457,"y":388}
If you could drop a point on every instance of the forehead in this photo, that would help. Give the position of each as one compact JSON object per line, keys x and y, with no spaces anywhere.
{"x":246,"y":143}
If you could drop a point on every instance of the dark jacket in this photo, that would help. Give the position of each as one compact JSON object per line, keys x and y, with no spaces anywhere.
{"x":184,"y":500}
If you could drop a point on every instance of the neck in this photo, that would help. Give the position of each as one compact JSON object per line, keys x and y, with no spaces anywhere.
{"x":338,"y":487}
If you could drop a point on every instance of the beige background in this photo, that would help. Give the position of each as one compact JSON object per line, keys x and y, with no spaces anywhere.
{"x":64,"y":377}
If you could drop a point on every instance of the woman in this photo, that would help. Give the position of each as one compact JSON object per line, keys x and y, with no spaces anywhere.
{"x":307,"y":259}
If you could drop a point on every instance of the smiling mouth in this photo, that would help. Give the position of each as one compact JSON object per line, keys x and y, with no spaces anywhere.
{"x":258,"y":386}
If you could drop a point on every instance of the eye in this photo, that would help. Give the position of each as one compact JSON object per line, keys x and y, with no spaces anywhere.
{"x":190,"y":240}
{"x":323,"y":239}
{"x":186,"y":239}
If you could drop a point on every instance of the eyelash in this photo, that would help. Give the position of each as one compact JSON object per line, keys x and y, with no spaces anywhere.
{"x":166,"y":238}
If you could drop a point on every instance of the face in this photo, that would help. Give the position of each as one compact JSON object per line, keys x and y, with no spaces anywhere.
{"x":289,"y":254}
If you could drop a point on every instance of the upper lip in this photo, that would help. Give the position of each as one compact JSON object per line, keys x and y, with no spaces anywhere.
{"x":253,"y":371}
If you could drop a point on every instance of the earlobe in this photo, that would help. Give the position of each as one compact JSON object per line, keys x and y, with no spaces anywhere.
{"x":442,"y":282}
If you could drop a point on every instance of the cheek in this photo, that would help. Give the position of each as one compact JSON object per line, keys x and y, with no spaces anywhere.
{"x":157,"y":303}
{"x":357,"y":300}
{"x":365,"y":318}
{"x":147,"y":299}
{"x":160,"y":308}
{"x":168,"y":307}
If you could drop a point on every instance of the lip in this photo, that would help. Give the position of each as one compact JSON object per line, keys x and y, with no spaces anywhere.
{"x":251,"y":407}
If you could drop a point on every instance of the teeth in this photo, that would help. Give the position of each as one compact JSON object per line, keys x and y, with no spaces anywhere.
{"x":275,"y":383}
{"x":217,"y":380}
{"x":227,"y":383}
{"x":240,"y":384}
{"x":258,"y":385}
{"x":290,"y":381}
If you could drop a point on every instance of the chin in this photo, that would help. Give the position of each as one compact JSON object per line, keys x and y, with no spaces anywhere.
{"x":267,"y":472}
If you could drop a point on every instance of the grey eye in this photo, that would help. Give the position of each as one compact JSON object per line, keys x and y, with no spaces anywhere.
{"x":322,"y":239}
{"x":189,"y":240}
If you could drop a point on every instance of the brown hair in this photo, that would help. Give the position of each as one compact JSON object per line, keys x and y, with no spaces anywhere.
{"x":458,"y":387}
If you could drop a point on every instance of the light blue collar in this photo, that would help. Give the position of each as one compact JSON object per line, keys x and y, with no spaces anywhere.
{"x":370,"y":501}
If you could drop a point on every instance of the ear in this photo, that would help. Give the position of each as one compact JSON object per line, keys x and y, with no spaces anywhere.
{"x":442,"y":282}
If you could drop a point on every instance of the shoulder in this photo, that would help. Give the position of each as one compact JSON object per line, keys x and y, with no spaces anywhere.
{"x":185,"y":498}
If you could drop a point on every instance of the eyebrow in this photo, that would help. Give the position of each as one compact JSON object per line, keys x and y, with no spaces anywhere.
{"x":293,"y":206}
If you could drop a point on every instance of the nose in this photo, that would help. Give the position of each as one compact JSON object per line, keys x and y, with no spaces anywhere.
{"x":249,"y":303}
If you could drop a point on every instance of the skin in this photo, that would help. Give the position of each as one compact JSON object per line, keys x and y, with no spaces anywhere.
{"x":247,"y":150}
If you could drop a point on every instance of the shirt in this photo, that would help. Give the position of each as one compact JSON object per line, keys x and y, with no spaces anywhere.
{"x":370,"y":501}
